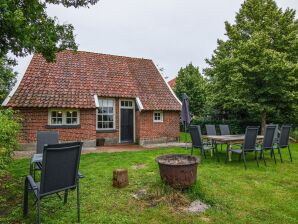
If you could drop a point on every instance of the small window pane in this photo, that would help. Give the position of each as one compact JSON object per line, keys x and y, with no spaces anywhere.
{"x":68,"y":120}
{"x":105,"y":118}
{"x":99,"y":125}
{"x":74,"y":121}
{"x":110,"y":124}
{"x":104,"y":110}
{"x":110,"y":103}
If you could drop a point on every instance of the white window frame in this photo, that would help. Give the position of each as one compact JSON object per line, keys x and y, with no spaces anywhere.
{"x":161,"y":117}
{"x":114,"y":115}
{"x":64,"y":114}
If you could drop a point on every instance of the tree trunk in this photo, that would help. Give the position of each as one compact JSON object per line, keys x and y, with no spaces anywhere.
{"x":263,"y":122}
{"x":120,"y":178}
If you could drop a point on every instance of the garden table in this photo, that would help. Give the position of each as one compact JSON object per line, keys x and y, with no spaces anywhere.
{"x":230,"y":140}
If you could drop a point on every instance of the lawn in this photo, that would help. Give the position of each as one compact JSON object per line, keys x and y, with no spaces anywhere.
{"x":257,"y":195}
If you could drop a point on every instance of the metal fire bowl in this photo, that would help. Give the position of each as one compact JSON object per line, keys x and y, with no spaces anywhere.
{"x":178,"y":170}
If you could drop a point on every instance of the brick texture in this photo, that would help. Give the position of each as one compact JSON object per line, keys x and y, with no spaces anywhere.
{"x":147,"y":131}
{"x":152,"y":132}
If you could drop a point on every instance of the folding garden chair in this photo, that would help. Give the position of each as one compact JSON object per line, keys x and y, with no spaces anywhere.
{"x":283,"y":141}
{"x":197,"y":142}
{"x":43,"y":138}
{"x":224,"y":130}
{"x":249,"y":145}
{"x":60,"y":166}
{"x":268,"y":141}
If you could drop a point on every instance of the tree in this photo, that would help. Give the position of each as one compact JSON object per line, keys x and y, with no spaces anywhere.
{"x":7,"y":79}
{"x":256,"y":68}
{"x":191,"y":82}
{"x":25,"y":28}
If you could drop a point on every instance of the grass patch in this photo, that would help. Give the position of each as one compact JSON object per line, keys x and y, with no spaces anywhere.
{"x":257,"y":195}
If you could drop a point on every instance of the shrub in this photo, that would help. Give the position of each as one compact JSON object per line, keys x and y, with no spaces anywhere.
{"x":9,"y":130}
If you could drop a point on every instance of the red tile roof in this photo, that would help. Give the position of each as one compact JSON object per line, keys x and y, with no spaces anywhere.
{"x":75,"y":77}
{"x":172,"y":83}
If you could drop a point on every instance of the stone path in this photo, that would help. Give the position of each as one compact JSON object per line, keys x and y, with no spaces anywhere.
{"x":112,"y":148}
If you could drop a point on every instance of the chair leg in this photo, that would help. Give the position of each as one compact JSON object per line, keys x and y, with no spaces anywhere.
{"x":273,"y":155}
{"x":280,"y":154}
{"x":78,"y":201}
{"x":257,"y":159}
{"x":25,"y":205}
{"x":65,"y":196}
{"x":204,"y":154}
{"x":191,"y":150}
{"x":263,"y":155}
{"x":244,"y":160}
{"x":290,"y":153}
{"x":38,"y":210}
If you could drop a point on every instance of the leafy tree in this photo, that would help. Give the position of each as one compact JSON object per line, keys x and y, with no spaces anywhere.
{"x":9,"y":128}
{"x":256,"y":68}
{"x":25,"y":28}
{"x":191,"y":82}
{"x":7,"y":79}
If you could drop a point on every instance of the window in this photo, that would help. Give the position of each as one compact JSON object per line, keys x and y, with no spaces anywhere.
{"x":157,"y":116}
{"x":64,"y":117}
{"x":105,"y":114}
{"x":71,"y":117}
{"x":126,"y":103}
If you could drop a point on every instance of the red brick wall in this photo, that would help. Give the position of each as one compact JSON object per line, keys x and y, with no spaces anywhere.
{"x":149,"y":131}
{"x":36,"y":119}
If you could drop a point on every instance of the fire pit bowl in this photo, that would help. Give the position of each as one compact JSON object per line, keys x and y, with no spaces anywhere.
{"x":178,"y":170}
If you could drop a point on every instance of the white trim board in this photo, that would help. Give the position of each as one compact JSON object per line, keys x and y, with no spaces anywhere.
{"x":139,"y":103}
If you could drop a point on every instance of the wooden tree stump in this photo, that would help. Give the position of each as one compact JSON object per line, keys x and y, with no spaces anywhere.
{"x":120,"y":178}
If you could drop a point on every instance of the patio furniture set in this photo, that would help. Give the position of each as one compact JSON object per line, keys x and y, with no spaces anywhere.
{"x":58,"y":164}
{"x":250,"y":142}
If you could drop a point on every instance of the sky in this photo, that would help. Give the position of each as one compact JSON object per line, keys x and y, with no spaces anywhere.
{"x":172,"y":33}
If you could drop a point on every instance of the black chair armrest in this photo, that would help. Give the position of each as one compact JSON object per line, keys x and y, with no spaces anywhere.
{"x":32,"y":183}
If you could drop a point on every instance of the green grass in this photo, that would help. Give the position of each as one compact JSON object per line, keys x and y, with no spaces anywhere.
{"x":256,"y":195}
{"x":183,"y":136}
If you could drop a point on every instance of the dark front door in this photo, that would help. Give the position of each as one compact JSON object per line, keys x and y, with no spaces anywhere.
{"x":126,"y":125}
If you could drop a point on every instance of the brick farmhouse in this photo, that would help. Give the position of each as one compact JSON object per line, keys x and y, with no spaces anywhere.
{"x":95,"y":97}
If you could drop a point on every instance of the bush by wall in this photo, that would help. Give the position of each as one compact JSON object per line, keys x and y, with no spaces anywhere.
{"x":9,"y":130}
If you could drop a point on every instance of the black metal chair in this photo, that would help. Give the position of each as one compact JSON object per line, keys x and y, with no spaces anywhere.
{"x":197,"y":142}
{"x":283,"y":141}
{"x":268,"y":141}
{"x":60,"y":166}
{"x":224,"y":129}
{"x":43,"y":138}
{"x":210,"y":129}
{"x":249,"y":145}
